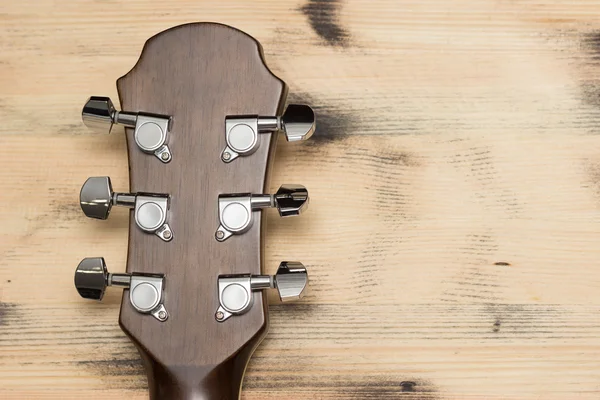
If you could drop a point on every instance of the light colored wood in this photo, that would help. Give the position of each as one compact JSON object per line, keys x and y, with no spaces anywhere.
{"x":452,"y":236}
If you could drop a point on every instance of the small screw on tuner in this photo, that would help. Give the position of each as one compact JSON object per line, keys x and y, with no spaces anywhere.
{"x":235,"y":291}
{"x":150,"y":130}
{"x":145,"y":291}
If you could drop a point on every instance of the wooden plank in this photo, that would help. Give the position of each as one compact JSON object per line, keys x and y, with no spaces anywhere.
{"x":454,"y":178}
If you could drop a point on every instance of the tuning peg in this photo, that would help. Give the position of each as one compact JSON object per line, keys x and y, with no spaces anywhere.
{"x":235,"y":291}
{"x":145,"y":291}
{"x":241,"y":132}
{"x":290,"y":281}
{"x":235,"y":210}
{"x":150,"y":209}
{"x":99,"y":114}
{"x":291,"y":200}
{"x":297,"y":122}
{"x":91,"y":278}
{"x":150,"y":130}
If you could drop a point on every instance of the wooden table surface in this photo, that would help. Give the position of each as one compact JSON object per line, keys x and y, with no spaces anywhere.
{"x":453,"y":233}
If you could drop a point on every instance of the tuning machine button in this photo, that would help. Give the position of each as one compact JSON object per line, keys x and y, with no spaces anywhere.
{"x":150,"y":209}
{"x":241,"y":132}
{"x":235,"y":210}
{"x":145,"y":290}
{"x":235,"y":291}
{"x":150,"y":130}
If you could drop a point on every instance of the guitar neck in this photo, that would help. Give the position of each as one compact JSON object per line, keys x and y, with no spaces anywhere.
{"x":217,"y":382}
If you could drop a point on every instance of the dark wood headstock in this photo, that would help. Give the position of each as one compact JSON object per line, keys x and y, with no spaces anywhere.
{"x":198,"y":74}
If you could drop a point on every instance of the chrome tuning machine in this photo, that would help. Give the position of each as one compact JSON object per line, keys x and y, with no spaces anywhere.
{"x":145,"y":290}
{"x":235,"y":291}
{"x":242,"y":132}
{"x":235,"y":210}
{"x":150,"y":130}
{"x":150,"y":209}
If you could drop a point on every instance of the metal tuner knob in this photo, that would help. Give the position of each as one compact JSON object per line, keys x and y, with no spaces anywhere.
{"x":150,"y":209}
{"x":290,"y":281}
{"x":297,"y":122}
{"x":235,"y":291}
{"x":236,"y":210}
{"x":145,"y":291}
{"x":242,"y":132}
{"x":150,"y":130}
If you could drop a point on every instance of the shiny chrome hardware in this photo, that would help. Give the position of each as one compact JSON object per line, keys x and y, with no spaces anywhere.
{"x":150,"y":209}
{"x":150,"y":130}
{"x":241,"y":132}
{"x":235,"y":291}
{"x":235,"y":210}
{"x":145,"y":290}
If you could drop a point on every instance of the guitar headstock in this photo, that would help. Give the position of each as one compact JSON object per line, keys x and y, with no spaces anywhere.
{"x":202,"y":114}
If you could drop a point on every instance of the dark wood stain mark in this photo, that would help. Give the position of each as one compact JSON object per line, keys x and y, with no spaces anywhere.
{"x":337,"y":119}
{"x":8,"y":313}
{"x":323,"y":16}
{"x":66,"y":211}
{"x":506,"y":313}
{"x":397,"y":391}
{"x":590,"y":91}
{"x":61,"y":211}
{"x":520,"y":320}
{"x":116,"y":366}
{"x":497,"y":325}
{"x":385,"y":158}
{"x":591,"y":43}
{"x":502,"y":263}
{"x":126,"y":365}
{"x":365,"y":387}
{"x":592,"y":167}
{"x":335,"y":123}
{"x":408,"y":386}
{"x":590,"y":84}
{"x":390,"y":388}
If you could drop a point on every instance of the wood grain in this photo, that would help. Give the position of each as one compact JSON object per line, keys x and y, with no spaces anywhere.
{"x":452,"y":236}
